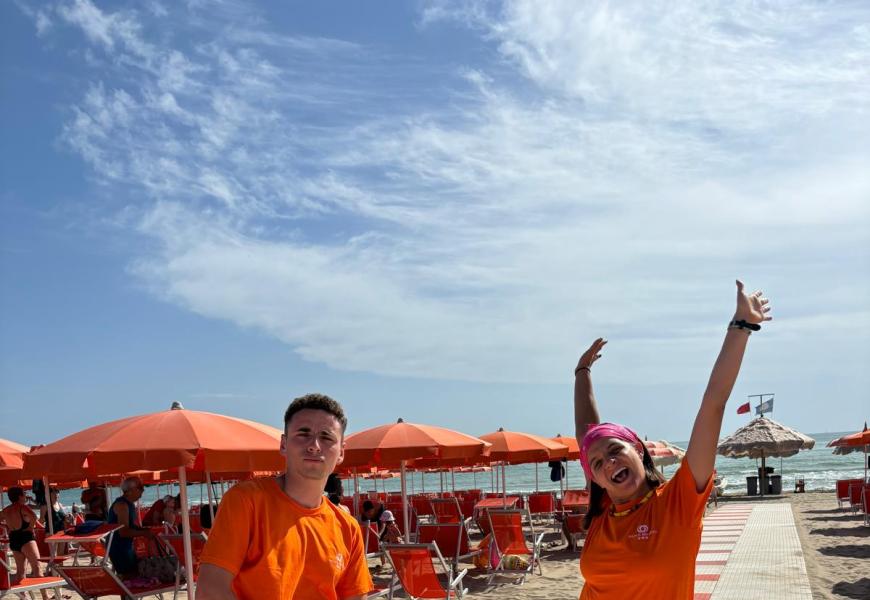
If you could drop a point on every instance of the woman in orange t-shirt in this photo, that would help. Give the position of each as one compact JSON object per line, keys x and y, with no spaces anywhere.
{"x":643,"y":533}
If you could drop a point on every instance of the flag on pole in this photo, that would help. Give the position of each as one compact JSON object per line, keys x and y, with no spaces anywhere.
{"x":743,"y":409}
{"x":764,"y":407}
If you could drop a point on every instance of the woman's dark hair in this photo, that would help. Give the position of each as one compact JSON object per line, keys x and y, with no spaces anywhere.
{"x":333,"y":488}
{"x":597,"y":494}
{"x":15,"y":494}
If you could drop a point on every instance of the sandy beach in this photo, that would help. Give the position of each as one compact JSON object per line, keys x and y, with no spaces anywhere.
{"x":835,"y":544}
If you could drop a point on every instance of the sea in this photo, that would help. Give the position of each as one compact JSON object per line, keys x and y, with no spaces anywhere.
{"x":819,"y":468}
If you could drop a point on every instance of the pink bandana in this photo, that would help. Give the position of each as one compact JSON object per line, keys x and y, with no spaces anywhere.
{"x":596,"y":432}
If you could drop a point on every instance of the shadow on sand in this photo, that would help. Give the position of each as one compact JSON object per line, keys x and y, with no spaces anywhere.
{"x":857,"y":589}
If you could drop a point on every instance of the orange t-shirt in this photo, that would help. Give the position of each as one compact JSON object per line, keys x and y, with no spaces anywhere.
{"x":649,"y":553}
{"x":277,"y":548}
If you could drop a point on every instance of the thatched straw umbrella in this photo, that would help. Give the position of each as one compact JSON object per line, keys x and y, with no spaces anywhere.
{"x":764,"y":438}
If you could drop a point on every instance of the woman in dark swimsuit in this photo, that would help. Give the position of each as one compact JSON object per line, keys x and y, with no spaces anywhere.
{"x":20,"y":520}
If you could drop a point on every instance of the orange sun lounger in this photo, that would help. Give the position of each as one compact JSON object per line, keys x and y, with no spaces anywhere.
{"x":27,"y":584}
{"x":415,"y":565}
{"x":508,"y":538}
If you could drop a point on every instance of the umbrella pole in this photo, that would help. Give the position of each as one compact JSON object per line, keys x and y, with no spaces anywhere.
{"x":536,"y":476}
{"x":503,"y":486}
{"x":48,"y":508}
{"x":405,"y":516}
{"x":453,"y":480}
{"x":474,"y":478}
{"x":185,"y":524}
{"x":762,"y":483}
{"x":210,"y":496}
{"x":355,"y":493}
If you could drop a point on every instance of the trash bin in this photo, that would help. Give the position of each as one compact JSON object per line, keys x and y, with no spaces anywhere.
{"x":752,"y":486}
{"x":775,"y":484}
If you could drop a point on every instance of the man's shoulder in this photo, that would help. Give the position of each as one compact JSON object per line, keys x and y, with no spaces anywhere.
{"x":250,"y":489}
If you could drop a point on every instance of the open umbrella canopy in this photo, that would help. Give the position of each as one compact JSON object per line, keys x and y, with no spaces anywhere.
{"x":515,"y":447}
{"x":388,"y":445}
{"x":12,"y":454}
{"x":160,"y":441}
{"x":573,"y":446}
{"x":854,"y":442}
{"x":664,"y":453}
{"x":764,"y":438}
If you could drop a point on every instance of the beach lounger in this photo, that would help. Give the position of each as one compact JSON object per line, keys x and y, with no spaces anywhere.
{"x":447,"y":510}
{"x":371,"y":543}
{"x":574,"y":528}
{"x":509,"y":538}
{"x":843,"y":499}
{"x":93,"y":544}
{"x":865,"y":502}
{"x":423,"y":505}
{"x":50,"y":553}
{"x":451,"y":538}
{"x":855,"y":503}
{"x":27,"y":584}
{"x":175,"y":542}
{"x":416,"y":570}
{"x":98,"y":580}
{"x":543,"y":504}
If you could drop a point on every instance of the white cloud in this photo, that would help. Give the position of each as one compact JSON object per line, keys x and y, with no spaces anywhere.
{"x":635,"y":161}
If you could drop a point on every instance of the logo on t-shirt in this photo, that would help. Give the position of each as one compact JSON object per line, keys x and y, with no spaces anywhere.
{"x":643,"y":533}
{"x":338,"y":562}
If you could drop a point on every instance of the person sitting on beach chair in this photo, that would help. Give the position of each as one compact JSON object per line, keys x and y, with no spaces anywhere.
{"x":123,"y":512}
{"x":643,"y":533}
{"x":278,"y":537}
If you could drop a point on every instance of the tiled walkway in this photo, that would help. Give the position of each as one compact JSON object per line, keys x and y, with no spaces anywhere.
{"x":751,"y":550}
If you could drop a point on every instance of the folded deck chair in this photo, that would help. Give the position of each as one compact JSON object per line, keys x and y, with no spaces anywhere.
{"x":865,"y":503}
{"x":447,"y":510}
{"x":97,"y":581}
{"x":508,"y":538}
{"x":423,"y":505}
{"x":543,"y":504}
{"x":855,"y":498}
{"x":27,"y":584}
{"x":451,"y":538}
{"x":415,"y":567}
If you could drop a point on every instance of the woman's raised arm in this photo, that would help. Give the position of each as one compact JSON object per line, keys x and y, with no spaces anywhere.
{"x":752,"y":309}
{"x":585,"y":408}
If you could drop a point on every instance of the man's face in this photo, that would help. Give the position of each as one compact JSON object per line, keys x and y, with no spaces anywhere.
{"x":312,"y":444}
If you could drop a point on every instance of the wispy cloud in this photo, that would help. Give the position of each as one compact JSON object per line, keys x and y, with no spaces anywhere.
{"x":614,"y":179}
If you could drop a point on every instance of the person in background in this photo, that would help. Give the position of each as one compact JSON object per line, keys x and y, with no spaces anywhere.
{"x":94,"y":502}
{"x":643,"y":533}
{"x":334,"y":491}
{"x":278,"y":537}
{"x":372,"y":511}
{"x":170,"y":513}
{"x":60,"y":520}
{"x":123,"y":512}
{"x":20,"y":521}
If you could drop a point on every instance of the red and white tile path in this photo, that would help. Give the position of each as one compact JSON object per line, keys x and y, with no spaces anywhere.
{"x":750,"y":550}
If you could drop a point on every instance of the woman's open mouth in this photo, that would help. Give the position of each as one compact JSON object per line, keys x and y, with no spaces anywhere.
{"x":620,"y":476}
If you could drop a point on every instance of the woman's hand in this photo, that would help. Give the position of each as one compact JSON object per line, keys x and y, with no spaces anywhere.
{"x":592,"y":354}
{"x":751,"y":308}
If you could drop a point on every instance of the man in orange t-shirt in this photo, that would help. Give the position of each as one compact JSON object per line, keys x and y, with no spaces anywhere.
{"x":278,"y":537}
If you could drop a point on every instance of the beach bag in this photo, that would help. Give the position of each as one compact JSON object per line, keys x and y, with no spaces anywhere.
{"x":161,"y":567}
{"x":514,"y":562}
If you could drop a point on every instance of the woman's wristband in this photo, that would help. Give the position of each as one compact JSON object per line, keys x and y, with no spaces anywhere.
{"x":578,"y":369}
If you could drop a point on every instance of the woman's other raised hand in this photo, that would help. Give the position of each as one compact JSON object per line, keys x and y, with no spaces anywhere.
{"x":752,"y":308}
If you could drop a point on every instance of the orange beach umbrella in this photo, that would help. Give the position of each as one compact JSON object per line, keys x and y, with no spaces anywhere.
{"x":854,"y":442}
{"x":396,"y":444}
{"x":160,"y":441}
{"x":515,"y":447}
{"x":12,"y":454}
{"x":174,"y":438}
{"x":389,"y":445}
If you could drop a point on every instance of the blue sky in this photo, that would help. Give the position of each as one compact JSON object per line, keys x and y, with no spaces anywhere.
{"x":428,"y":209}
